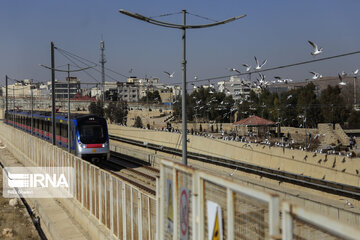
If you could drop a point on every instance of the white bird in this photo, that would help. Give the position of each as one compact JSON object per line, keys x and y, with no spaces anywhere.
{"x":341,"y":81}
{"x":233,"y":172}
{"x":347,"y":203}
{"x":356,"y":72}
{"x":317,"y":50}
{"x":234,"y":70}
{"x":258,"y":66}
{"x":169,"y":75}
{"x":196,"y":78}
{"x":290,"y":96}
{"x":316,"y":75}
{"x":248,"y":67}
{"x":195,"y":87}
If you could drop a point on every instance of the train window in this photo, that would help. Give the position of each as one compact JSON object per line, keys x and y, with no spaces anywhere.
{"x":64,"y":130}
{"x":36,"y":123}
{"x":50,"y":127}
{"x":58,"y":129}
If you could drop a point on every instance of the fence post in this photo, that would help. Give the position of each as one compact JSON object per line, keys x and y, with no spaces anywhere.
{"x":111,"y":206}
{"x":157,"y":202}
{"x":124,"y":209}
{"x":274,"y":215}
{"x":162,"y":201}
{"x":175,"y":204}
{"x":230,"y":213}
{"x":140,"y":215}
{"x":287,"y":227}
{"x":195,"y":207}
{"x":200,"y":183}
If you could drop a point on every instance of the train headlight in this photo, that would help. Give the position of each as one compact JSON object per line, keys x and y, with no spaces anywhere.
{"x":83,"y":145}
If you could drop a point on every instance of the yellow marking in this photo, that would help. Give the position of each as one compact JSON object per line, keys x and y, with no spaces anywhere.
{"x":94,"y":150}
{"x":216,"y":233}
{"x":61,"y":120}
{"x":170,"y":205}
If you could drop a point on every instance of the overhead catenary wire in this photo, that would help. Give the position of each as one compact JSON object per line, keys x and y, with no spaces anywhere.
{"x":76,"y":56}
{"x":206,"y":18}
{"x":166,"y":15}
{"x":275,"y":68}
{"x":71,"y":55}
{"x":78,"y":66}
{"x":68,"y":55}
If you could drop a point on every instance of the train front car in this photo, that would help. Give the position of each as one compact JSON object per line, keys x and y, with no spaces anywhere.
{"x":92,"y":138}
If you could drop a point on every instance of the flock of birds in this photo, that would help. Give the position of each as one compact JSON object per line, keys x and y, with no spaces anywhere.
{"x":261,"y":83}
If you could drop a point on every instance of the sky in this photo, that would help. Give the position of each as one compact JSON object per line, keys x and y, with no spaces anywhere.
{"x":276,"y":30}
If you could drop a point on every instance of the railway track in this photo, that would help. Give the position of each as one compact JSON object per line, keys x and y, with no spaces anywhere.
{"x":340,"y":189}
{"x":132,"y":170}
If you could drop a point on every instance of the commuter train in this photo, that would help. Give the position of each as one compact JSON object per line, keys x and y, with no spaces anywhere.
{"x":89,"y":138}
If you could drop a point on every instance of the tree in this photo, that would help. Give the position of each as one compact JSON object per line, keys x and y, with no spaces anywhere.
{"x":151,"y":97}
{"x":96,"y":108}
{"x":354,"y":119}
{"x":138,"y":123}
{"x":117,"y":111}
{"x":308,"y":106}
{"x":333,"y":107}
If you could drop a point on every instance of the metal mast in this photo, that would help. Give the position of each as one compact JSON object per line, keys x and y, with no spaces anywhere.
{"x":102,"y":61}
{"x":183,"y":27}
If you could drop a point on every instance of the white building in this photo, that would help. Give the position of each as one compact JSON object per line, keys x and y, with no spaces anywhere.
{"x":238,"y":87}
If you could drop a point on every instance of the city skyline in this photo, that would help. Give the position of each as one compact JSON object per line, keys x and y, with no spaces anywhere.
{"x":277,"y":31}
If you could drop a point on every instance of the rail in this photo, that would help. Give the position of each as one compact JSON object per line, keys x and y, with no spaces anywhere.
{"x":340,"y":189}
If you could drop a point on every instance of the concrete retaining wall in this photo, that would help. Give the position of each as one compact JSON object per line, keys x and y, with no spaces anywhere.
{"x":308,"y":163}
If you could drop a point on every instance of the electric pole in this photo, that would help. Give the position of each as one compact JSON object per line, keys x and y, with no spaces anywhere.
{"x":68,"y":82}
{"x":183,"y":27}
{"x":7,"y":96}
{"x":53,"y":122}
{"x":103,"y":61}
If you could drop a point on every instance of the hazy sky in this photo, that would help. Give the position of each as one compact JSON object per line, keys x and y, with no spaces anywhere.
{"x":277,"y":30}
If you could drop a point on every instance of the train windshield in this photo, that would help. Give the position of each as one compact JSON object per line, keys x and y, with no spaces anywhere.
{"x":92,"y":130}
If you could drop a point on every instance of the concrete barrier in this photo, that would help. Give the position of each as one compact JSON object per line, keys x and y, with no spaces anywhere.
{"x":106,"y":206}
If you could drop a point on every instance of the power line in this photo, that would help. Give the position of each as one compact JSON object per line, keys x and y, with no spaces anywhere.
{"x":87,"y":65}
{"x":78,"y":65}
{"x":206,"y":18}
{"x":166,"y":15}
{"x":275,"y":68}
{"x":76,"y":56}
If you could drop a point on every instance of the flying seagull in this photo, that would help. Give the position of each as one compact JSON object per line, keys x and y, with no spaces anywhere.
{"x":356,"y":72}
{"x":248,"y":67}
{"x":234,"y":70}
{"x":341,"y":81}
{"x":169,"y":75}
{"x":258,"y":66}
{"x":316,"y":75}
{"x":317,"y":50}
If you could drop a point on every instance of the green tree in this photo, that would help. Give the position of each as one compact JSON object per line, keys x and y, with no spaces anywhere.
{"x":354,"y":119}
{"x":333,"y":107}
{"x":151,"y":97}
{"x":97,"y":108}
{"x":138,"y":122}
{"x":117,"y":111}
{"x":308,"y":106}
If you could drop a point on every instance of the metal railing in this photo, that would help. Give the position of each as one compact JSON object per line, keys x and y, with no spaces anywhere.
{"x":298,"y":223}
{"x":127,"y":211}
{"x":245,"y":213}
